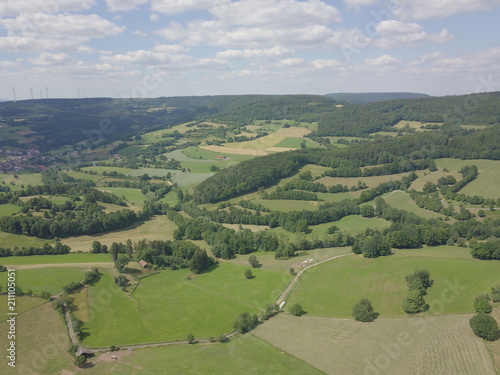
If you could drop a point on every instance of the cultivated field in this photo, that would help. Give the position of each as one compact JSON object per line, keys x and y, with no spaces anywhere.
{"x":332,"y":289}
{"x":418,"y":346}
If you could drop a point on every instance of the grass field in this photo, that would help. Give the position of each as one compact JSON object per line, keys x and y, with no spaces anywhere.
{"x":167,"y":306}
{"x":426,"y":176}
{"x":369,"y":181}
{"x":56,"y":259}
{"x":331,"y":290}
{"x":242,"y":355}
{"x":11,"y":240}
{"x":8,"y":209}
{"x":133,"y":196}
{"x":152,"y":172}
{"x":22,"y":178}
{"x":84,"y":176}
{"x":44,"y":280}
{"x":158,"y":228}
{"x":188,"y":179}
{"x":417,"y":125}
{"x":287,"y":205}
{"x":402,"y":201}
{"x":418,"y":346}
{"x":295,"y":143}
{"x":42,"y":343}
{"x":100,"y":169}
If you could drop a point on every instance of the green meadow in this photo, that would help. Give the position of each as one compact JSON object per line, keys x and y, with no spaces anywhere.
{"x":333,"y":288}
{"x":168,"y":305}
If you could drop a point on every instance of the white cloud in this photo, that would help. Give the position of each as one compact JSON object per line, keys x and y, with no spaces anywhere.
{"x":424,"y":9}
{"x":326,"y":64}
{"x":123,"y":5}
{"x":154,"y":17}
{"x":163,"y":56}
{"x":52,"y":59}
{"x":292,"y":61}
{"x":395,"y":33}
{"x":171,"y":7}
{"x":383,"y":60}
{"x":17,"y":7}
{"x":273,"y":52}
{"x":276,"y":13}
{"x":61,"y":32}
{"x":359,"y":3}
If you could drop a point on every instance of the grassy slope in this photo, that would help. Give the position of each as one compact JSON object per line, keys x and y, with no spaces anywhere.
{"x":168,"y":306}
{"x":333,"y":288}
{"x":44,"y":280}
{"x":242,"y":355}
{"x":42,"y":343}
{"x":403,"y":201}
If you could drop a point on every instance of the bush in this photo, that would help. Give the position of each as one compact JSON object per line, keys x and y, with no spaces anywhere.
{"x":495,"y":294}
{"x":485,"y":326}
{"x":246,"y":322}
{"x":190,"y":339}
{"x":482,"y":304}
{"x":363,"y":311}
{"x":414,"y":303}
{"x":80,"y":361}
{"x":253,"y":261}
{"x":248,"y":274}
{"x":296,"y":309}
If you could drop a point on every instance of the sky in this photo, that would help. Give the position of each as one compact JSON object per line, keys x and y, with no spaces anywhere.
{"x":152,"y":48}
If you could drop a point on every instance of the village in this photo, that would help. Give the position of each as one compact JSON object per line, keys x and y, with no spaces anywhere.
{"x":13,"y":161}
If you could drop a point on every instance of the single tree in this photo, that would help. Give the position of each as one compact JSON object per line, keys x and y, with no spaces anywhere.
{"x":414,"y":302}
{"x":190,"y":339}
{"x":80,"y":361}
{"x":485,"y":326}
{"x":296,"y":309}
{"x":253,"y":261}
{"x":363,"y":311}
{"x":248,"y":274}
{"x":246,"y":322}
{"x":482,"y":304}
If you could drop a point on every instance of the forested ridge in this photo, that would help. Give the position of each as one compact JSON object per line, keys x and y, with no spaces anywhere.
{"x":399,"y":155}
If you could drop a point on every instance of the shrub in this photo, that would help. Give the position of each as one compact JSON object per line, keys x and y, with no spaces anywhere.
{"x":296,"y":309}
{"x":485,"y":326}
{"x":363,"y":311}
{"x":246,"y":322}
{"x":482,"y":304}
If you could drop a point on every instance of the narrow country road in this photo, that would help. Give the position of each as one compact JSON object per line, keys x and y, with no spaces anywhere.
{"x":294,"y":281}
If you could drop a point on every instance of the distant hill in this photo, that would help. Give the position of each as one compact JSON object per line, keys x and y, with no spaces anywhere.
{"x":371,"y":97}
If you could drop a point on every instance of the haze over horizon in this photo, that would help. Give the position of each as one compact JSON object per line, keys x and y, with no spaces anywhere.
{"x":152,"y":48}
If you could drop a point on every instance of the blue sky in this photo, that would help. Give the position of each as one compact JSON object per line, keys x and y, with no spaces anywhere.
{"x":150,"y":48}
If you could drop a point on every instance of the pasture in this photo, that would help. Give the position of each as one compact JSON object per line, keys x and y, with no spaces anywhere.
{"x":11,"y":240}
{"x":132,"y":196}
{"x":371,"y":181}
{"x":419,"y":346}
{"x":332,"y":289}
{"x":417,"y":125}
{"x":8,"y":209}
{"x":158,"y":228}
{"x":42,"y":342}
{"x":44,"y":280}
{"x":402,"y":201}
{"x":168,"y":306}
{"x":242,"y":355}
{"x":56,"y":259}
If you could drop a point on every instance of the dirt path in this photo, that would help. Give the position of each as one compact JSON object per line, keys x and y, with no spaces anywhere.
{"x":295,"y":280}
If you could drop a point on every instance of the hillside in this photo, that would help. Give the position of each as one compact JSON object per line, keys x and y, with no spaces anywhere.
{"x":371,"y":97}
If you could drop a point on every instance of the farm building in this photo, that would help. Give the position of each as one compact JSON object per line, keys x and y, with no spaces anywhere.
{"x":221,"y":157}
{"x":144,"y":264}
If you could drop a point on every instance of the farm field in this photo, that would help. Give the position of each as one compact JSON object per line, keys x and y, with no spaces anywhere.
{"x":8,"y":209}
{"x":11,"y":240}
{"x":371,"y":181}
{"x":56,"y":259}
{"x":44,"y":280}
{"x":132,"y":196}
{"x":419,"y":346}
{"x":242,"y":355}
{"x":330,"y":290}
{"x":402,"y":200}
{"x":22,"y":179}
{"x":168,"y":306}
{"x":286,"y":205}
{"x":158,"y":228}
{"x":417,"y":125}
{"x":42,"y":343}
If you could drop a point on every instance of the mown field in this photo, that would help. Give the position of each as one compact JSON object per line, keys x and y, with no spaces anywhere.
{"x":42,"y":341}
{"x":402,"y":200}
{"x":168,"y":306}
{"x":44,"y":280}
{"x":418,"y":346}
{"x":158,"y":228}
{"x":332,"y":289}
{"x":242,"y":355}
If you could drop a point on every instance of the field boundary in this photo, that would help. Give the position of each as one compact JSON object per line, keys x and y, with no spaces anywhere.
{"x":294,"y":281}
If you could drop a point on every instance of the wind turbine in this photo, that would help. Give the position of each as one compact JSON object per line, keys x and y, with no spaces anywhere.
{"x":47,"y":91}
{"x":41,"y":96}
{"x":14,"y":93}
{"x":78,"y":92}
{"x":31,"y":91}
